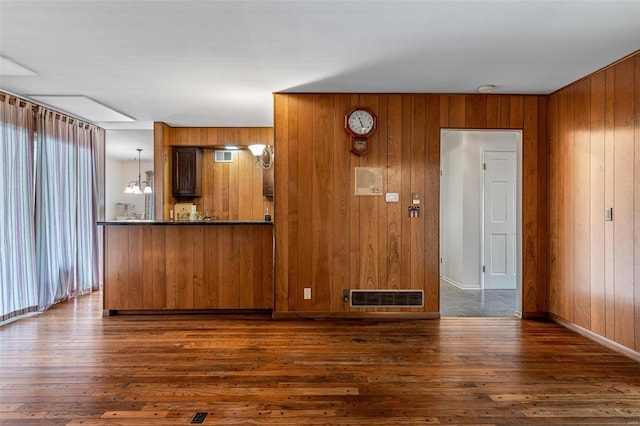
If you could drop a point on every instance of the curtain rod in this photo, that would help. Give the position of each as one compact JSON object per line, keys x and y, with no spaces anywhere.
{"x":22,"y":101}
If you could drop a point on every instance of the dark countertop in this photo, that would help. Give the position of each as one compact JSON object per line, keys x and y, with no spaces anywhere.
{"x":184,"y":222}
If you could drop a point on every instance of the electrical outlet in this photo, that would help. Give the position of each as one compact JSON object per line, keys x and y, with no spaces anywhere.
{"x":307,"y":293}
{"x":345,"y":294}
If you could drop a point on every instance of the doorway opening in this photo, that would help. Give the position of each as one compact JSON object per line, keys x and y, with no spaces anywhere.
{"x":480,"y":223}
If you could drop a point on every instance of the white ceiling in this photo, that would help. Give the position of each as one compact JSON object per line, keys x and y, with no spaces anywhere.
{"x":217,"y":63}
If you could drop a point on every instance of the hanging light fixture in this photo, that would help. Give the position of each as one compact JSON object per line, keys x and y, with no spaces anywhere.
{"x":134,"y":186}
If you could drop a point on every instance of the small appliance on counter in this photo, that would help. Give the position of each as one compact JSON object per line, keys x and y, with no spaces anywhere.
{"x":186,"y":211}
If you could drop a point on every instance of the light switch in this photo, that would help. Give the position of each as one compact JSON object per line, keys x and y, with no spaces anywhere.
{"x":608,"y":214}
{"x":307,"y":293}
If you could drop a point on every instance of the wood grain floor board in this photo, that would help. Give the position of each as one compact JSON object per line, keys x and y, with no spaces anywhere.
{"x":71,"y":366}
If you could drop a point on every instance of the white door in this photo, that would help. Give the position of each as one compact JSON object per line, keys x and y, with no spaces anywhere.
{"x":499,"y":246}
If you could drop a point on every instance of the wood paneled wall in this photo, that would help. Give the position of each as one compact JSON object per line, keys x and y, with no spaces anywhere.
{"x":595,"y":165}
{"x":230,"y":191}
{"x":167,"y":267}
{"x":329,"y":240}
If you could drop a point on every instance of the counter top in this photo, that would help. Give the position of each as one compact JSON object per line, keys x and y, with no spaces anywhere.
{"x":184,"y":222}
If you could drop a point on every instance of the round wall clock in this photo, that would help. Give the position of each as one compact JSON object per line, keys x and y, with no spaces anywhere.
{"x":360,"y":123}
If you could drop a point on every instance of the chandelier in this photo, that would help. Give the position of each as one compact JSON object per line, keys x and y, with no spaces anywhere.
{"x":134,"y":186}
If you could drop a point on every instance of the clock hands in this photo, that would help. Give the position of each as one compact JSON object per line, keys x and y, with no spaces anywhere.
{"x":362,"y":124}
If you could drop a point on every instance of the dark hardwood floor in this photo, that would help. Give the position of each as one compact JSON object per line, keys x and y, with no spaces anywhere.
{"x":455,"y":302}
{"x":70,"y":365}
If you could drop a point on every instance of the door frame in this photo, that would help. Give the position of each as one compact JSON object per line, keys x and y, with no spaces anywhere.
{"x":519,"y":197}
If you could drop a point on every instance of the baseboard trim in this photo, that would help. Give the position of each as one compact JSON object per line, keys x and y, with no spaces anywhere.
{"x":614,"y":346}
{"x":457,"y":284}
{"x":359,"y":315}
{"x":534,"y":316}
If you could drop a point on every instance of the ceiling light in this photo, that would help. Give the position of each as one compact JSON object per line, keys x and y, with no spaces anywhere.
{"x":134,"y":186}
{"x":487,"y":88}
{"x":10,"y":68}
{"x":81,"y":106}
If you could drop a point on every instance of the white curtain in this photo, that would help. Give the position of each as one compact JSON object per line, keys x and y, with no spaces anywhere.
{"x":67,"y":258}
{"x":18,"y":286}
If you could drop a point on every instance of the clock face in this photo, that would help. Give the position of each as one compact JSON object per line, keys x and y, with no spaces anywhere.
{"x":361,"y":122}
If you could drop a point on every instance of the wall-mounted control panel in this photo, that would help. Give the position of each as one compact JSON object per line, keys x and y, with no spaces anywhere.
{"x":392,"y":197}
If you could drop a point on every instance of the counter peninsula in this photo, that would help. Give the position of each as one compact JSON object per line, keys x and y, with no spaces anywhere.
{"x":187,"y":266}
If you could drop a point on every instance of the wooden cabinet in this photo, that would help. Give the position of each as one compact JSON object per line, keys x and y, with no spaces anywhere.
{"x":267,"y":183}
{"x":160,"y":267}
{"x":186,"y":166}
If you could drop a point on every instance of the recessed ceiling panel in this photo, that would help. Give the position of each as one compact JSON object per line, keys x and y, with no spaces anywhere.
{"x":10,"y":68}
{"x":82,"y":106}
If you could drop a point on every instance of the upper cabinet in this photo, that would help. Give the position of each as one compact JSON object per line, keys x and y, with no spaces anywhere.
{"x":186,"y":166}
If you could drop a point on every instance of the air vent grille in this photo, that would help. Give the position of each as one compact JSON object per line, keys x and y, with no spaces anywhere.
{"x":388,"y":298}
{"x":223,"y":156}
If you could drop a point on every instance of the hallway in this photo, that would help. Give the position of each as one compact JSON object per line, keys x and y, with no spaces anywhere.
{"x":455,"y":302}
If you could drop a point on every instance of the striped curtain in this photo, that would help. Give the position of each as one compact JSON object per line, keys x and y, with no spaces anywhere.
{"x":67,"y":258}
{"x":18,"y":285}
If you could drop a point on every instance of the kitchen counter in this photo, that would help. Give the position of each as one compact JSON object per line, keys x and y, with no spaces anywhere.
{"x":183,"y":222}
{"x":187,"y":265}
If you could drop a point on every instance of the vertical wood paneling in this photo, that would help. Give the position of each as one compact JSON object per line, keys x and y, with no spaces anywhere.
{"x":417,"y":179}
{"x":405,"y":185}
{"x":394,"y":184}
{"x":136,"y":247}
{"x":248,"y":259}
{"x":609,"y":142}
{"x":505,"y":111}
{"x":431,"y":207}
{"x":116,"y":268}
{"x":566,"y":180}
{"x":516,"y":112}
{"x":371,"y":243}
{"x":321,"y":198}
{"x":581,"y":204}
{"x":597,"y":205}
{"x":531,"y":176}
{"x":340,"y":203}
{"x":623,"y":199}
{"x":636,"y":239}
{"x":541,"y":184}
{"x":281,"y":204}
{"x":457,"y":113}
{"x":595,"y":168}
{"x":493,"y":112}
{"x":554,"y":201}
{"x":198,"y":284}
{"x":290,"y":169}
{"x":369,"y":213}
{"x":211,"y":280}
{"x":305,"y":208}
{"x":476,"y":112}
{"x":158,"y":267}
{"x":231,"y":191}
{"x":383,"y":221}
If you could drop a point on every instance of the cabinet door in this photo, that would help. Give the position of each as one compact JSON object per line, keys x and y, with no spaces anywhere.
{"x":186,"y":171}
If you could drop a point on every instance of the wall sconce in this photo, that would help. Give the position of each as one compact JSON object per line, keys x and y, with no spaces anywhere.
{"x":134,"y":186}
{"x":263,"y":154}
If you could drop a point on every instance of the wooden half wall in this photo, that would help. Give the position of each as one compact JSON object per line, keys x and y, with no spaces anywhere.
{"x":595,"y":165}
{"x":230,"y":191}
{"x":327,"y":239}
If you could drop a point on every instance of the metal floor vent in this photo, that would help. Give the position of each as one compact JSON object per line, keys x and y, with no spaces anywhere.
{"x":397,"y":298}
{"x":199,"y":418}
